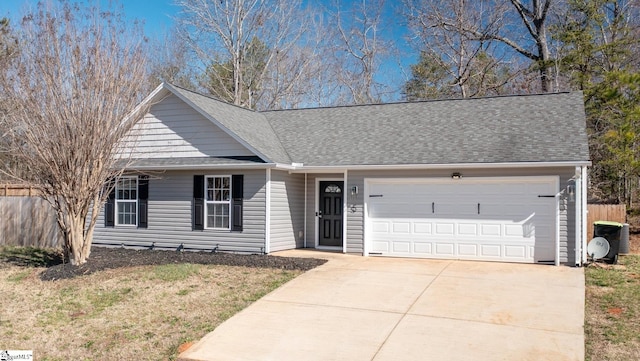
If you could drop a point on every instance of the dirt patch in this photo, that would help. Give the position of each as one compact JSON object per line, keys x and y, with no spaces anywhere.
{"x":110,"y":258}
{"x":634,"y":242}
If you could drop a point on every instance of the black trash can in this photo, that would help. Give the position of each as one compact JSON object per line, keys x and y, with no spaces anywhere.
{"x":611,"y":232}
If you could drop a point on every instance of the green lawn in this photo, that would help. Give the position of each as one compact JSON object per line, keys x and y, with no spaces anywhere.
{"x":612,"y":311}
{"x":134,"y":313}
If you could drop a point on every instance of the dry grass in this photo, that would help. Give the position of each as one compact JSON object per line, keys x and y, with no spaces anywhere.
{"x":612,"y":311}
{"x":140,"y":313}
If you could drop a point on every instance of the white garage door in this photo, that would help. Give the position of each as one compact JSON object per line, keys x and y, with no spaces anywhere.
{"x":497,"y":219}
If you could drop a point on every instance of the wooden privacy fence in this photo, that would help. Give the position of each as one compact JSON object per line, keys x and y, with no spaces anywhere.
{"x":25,"y":219}
{"x":605,"y":212}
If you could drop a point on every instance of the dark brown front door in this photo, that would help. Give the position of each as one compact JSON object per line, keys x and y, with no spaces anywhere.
{"x":330,"y":215}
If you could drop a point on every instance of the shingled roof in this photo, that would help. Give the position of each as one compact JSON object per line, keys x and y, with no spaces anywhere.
{"x":506,"y":129}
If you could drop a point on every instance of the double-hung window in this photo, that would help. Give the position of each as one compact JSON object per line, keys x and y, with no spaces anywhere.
{"x":127,"y":201}
{"x":218,"y":201}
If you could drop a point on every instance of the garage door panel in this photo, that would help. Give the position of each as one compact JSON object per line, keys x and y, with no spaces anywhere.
{"x":401,"y":227}
{"x":491,"y":250}
{"x":490,"y":229}
{"x":468,"y":229}
{"x":422,"y":227}
{"x":401,"y":247}
{"x":444,"y":249}
{"x":422,"y":248}
{"x":467,"y":249}
{"x":444,"y":229}
{"x":515,"y":251}
{"x":429,"y":219}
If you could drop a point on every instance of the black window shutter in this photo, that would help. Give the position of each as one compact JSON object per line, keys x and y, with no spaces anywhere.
{"x":110,"y":205}
{"x":143,"y":201}
{"x":198,"y":202}
{"x":237,"y":195}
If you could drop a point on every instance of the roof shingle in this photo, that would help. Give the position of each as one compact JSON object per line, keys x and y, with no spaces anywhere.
{"x":527,"y":128}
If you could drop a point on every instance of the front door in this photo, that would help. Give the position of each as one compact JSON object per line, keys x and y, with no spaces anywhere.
{"x":330,"y":214}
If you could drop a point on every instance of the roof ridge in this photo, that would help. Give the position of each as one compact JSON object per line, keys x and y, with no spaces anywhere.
{"x":213,"y":98}
{"x":423,"y":101}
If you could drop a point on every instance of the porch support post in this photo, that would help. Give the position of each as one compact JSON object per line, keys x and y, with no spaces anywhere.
{"x":557,"y":235}
{"x":345,"y":214}
{"x":305,"y":210}
{"x":578,"y":216}
{"x":267,"y":223}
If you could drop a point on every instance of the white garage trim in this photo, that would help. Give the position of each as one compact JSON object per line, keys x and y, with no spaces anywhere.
{"x":417,"y":237}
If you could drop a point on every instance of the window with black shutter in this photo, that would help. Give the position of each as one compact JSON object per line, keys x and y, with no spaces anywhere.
{"x":198,"y":202}
{"x":143,"y":201}
{"x":237,"y":190}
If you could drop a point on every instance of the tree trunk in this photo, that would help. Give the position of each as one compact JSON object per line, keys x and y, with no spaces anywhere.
{"x":80,"y":244}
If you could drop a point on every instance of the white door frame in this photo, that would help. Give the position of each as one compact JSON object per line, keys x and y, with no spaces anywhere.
{"x":317,"y":209}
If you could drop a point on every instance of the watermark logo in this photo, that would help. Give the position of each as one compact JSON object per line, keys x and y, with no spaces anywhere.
{"x":16,"y":355}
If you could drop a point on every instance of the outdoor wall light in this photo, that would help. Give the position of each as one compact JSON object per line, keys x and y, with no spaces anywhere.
{"x":456,"y":175}
{"x":354,"y":191}
{"x":571,"y":192}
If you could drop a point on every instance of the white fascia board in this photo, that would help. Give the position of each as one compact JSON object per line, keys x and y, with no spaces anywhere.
{"x":157,"y":94}
{"x":341,"y":169}
{"x":218,"y":124}
{"x":204,"y":167}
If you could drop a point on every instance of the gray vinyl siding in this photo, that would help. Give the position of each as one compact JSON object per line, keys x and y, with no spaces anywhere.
{"x":355,"y":214}
{"x":174,"y":129}
{"x":287,"y":211}
{"x":170,"y":210}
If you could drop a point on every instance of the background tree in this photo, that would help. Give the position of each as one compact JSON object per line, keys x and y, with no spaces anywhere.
{"x":170,"y":62}
{"x":517,"y":26}
{"x":240,"y":42}
{"x":220,"y":75}
{"x":599,"y":56}
{"x":465,"y":66}
{"x":79,"y":72}
{"x":359,"y":48}
{"x":8,"y":51}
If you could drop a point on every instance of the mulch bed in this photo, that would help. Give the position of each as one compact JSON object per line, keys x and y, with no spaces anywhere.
{"x":102,"y":258}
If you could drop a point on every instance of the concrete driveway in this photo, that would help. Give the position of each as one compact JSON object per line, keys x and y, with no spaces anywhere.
{"x":374,"y":308}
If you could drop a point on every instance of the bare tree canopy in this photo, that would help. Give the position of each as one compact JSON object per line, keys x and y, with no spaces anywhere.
{"x":520,"y":26}
{"x":465,"y":67}
{"x":243,"y":44}
{"x":78,"y":74}
{"x":359,"y":47}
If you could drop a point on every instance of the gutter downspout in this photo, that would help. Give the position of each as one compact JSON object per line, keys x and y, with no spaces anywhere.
{"x":585,"y":210}
{"x":578,"y":217}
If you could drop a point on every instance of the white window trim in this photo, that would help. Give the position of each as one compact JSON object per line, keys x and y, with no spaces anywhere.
{"x":119,"y":201}
{"x":207,"y":202}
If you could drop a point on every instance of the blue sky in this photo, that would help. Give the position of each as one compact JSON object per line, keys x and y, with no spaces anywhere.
{"x":155,"y":13}
{"x":157,"y":16}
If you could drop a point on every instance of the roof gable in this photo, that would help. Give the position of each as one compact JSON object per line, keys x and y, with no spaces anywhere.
{"x":248,"y":127}
{"x":173,"y":129}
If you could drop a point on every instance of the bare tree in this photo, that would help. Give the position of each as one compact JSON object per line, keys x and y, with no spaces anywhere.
{"x":241,"y":42}
{"x":359,"y":47}
{"x":78,"y":77}
{"x":8,"y":51}
{"x":467,"y":67}
{"x":522,"y":27}
{"x":170,"y":62}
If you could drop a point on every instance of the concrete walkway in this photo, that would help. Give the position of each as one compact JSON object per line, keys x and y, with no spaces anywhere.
{"x":374,"y":308}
